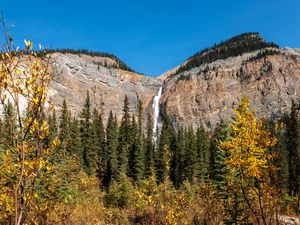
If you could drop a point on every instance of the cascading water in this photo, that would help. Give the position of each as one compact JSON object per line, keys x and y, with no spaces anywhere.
{"x":155,"y":106}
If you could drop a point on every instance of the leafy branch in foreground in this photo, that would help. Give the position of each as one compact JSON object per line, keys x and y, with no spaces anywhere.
{"x":26,"y":160}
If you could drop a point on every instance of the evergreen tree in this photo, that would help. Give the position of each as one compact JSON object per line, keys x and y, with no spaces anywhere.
{"x":178,"y":160}
{"x":281,"y":178}
{"x":124,"y":138}
{"x":149,"y":147}
{"x":136,"y":166}
{"x":293,"y":146}
{"x":219,"y":156}
{"x":53,"y":130}
{"x":75,"y":142}
{"x":87,"y":131}
{"x":190,"y":155}
{"x":166,"y":141}
{"x":111,"y":148}
{"x":64,"y":128}
{"x":203,"y":153}
{"x":101,"y":144}
{"x":140,"y":111}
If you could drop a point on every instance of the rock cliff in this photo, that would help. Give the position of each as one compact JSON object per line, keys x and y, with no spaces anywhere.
{"x":201,"y":91}
{"x":206,"y":94}
{"x":75,"y":75}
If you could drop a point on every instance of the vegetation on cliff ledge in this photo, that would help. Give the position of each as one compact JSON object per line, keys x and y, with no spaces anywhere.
{"x":119,"y":64}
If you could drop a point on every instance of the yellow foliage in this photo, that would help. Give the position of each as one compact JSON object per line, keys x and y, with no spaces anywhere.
{"x":27,"y":161}
{"x":249,"y":164}
{"x":248,"y":146}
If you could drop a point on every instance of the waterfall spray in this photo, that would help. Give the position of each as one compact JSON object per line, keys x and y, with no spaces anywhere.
{"x":155,"y":106}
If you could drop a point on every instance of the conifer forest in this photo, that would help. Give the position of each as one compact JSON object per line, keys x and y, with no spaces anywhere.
{"x":61,"y":168}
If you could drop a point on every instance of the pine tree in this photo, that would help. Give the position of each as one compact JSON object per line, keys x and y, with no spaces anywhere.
{"x":53,"y":130}
{"x":136,"y":166}
{"x":87,"y":138}
{"x":124,"y":138}
{"x":293,"y":146}
{"x":149,"y":147}
{"x":166,"y":141}
{"x":101,"y":144}
{"x":203,"y":153}
{"x":218,"y":168}
{"x":277,"y":128}
{"x":75,"y":142}
{"x":111,"y":148}
{"x":64,"y":128}
{"x":140,"y":111}
{"x":178,"y":160}
{"x":190,"y":155}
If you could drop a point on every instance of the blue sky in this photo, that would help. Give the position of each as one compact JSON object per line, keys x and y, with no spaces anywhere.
{"x":150,"y":36}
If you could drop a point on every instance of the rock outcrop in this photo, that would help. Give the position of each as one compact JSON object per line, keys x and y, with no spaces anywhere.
{"x":75,"y":75}
{"x":204,"y":95}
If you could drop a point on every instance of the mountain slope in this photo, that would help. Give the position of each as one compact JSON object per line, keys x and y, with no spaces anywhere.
{"x":207,"y":93}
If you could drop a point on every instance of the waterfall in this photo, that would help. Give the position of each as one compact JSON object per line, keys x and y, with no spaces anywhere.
{"x":155,"y":106}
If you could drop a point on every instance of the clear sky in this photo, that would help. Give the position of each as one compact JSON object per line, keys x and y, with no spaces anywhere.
{"x":152,"y":36}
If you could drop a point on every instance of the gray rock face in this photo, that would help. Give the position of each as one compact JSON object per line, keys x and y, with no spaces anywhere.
{"x":200,"y":96}
{"x":207,"y":94}
{"x":75,"y":75}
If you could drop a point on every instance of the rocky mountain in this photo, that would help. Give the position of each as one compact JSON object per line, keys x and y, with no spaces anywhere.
{"x":201,"y":91}
{"x":76,"y":74}
{"x":206,"y":93}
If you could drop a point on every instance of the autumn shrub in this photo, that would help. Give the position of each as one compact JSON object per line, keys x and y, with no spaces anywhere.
{"x":119,"y":193}
{"x":204,"y":202}
{"x":84,"y":205}
{"x":159,"y":204}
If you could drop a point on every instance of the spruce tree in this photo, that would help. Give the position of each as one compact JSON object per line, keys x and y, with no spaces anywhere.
{"x":149,"y":147}
{"x":293,"y":145}
{"x":218,"y":157}
{"x":53,"y":130}
{"x":87,"y":139}
{"x":111,"y":147}
{"x":53,"y":124}
{"x":101,"y":144}
{"x":75,"y":142}
{"x":64,"y":129}
{"x":124,"y":138}
{"x":136,"y":166}
{"x":203,"y":153}
{"x":191,"y":157}
{"x":281,"y":178}
{"x":140,"y":111}
{"x":178,"y":160}
{"x":166,"y":141}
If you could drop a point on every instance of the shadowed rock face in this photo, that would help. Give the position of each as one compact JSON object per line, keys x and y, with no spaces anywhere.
{"x":201,"y":96}
{"x":207,"y":94}
{"x":75,"y":75}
